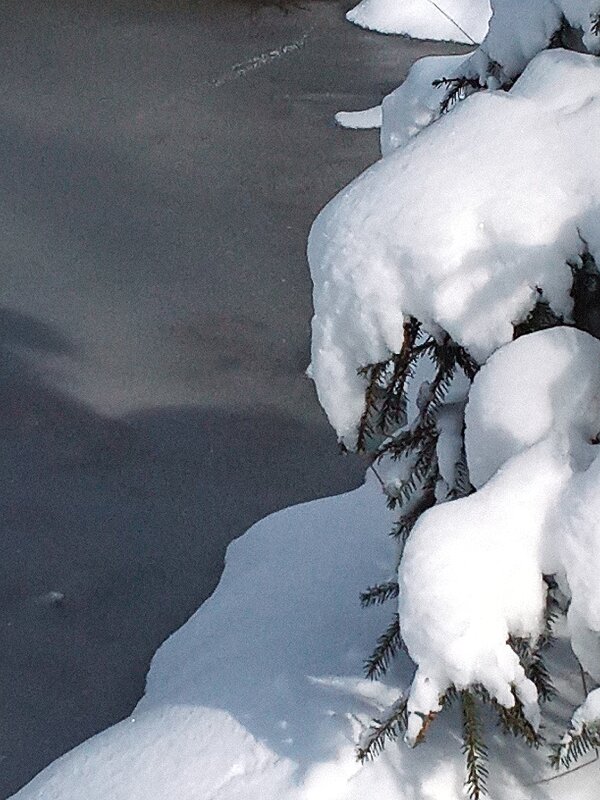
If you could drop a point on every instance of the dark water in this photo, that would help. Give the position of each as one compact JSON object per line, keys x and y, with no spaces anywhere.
{"x":160,"y":166}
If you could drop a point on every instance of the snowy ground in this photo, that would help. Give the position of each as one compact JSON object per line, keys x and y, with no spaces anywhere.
{"x":154,"y":327}
{"x":260,"y":696}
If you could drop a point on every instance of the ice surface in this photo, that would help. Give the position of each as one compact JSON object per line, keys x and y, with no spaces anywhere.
{"x":459,"y":228}
{"x":449,"y":20}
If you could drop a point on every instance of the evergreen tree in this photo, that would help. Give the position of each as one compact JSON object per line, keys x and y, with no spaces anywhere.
{"x":393,"y":430}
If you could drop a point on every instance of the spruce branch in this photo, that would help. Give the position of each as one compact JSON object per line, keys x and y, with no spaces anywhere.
{"x":568,"y":37}
{"x":374,"y":374}
{"x":462,"y":483}
{"x":387,"y":646}
{"x":385,"y":396}
{"x":574,"y":745}
{"x":388,"y":728}
{"x":379,"y":594}
{"x":539,"y":318}
{"x":532,"y":653}
{"x":531,"y":657}
{"x":465,"y":361}
{"x":556,"y":41}
{"x":512,"y":720}
{"x":407,"y":520}
{"x":474,"y":748}
{"x":422,"y":477}
{"x":393,"y":409}
{"x":457,"y":89}
{"x":585,"y":291}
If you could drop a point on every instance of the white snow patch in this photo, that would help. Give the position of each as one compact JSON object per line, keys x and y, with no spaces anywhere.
{"x":541,"y":383}
{"x":588,"y":713}
{"x":447,"y":20}
{"x":360,"y":120}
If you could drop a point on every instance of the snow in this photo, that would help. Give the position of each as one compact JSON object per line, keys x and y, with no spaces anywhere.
{"x":518,"y":31}
{"x":459,"y":228}
{"x":254,"y":697}
{"x":588,"y":712}
{"x":586,"y":716}
{"x":462,"y":224}
{"x":369,"y":118}
{"x":447,"y":20}
{"x":465,"y":586}
{"x":415,"y":104}
{"x":260,"y":696}
{"x":577,"y":550}
{"x":541,"y":383}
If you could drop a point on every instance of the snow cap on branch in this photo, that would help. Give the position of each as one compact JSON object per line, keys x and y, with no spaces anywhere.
{"x":459,"y":228}
{"x":472,"y":570}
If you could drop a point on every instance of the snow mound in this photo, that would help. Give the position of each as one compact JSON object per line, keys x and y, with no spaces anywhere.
{"x":459,"y":228}
{"x":517,"y":33}
{"x":257,"y":697}
{"x":447,"y":20}
{"x":472,"y":572}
